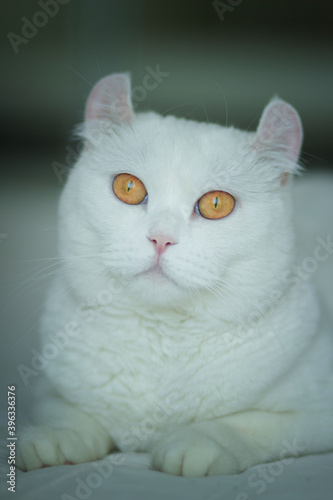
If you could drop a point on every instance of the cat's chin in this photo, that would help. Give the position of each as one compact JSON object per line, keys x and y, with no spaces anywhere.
{"x":154,"y":286}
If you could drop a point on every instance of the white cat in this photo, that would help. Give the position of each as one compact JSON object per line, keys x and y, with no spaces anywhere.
{"x":182,"y":326}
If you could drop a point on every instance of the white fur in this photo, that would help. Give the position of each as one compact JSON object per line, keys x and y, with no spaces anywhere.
{"x":215,"y":363}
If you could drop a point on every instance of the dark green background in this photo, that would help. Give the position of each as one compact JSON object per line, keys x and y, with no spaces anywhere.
{"x":218,"y":70}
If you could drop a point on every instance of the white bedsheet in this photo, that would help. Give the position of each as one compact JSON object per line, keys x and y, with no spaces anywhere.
{"x":307,"y":478}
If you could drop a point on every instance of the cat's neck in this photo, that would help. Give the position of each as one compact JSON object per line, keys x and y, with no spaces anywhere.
{"x":202,"y":312}
{"x":209,"y":310}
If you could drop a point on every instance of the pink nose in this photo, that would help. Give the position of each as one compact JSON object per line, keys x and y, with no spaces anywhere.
{"x":161,"y":242}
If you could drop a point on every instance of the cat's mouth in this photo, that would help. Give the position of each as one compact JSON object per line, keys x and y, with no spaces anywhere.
{"x":156,"y":274}
{"x":156,"y":270}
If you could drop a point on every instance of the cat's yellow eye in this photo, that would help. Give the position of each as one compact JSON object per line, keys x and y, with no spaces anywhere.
{"x":216,"y":204}
{"x":129,"y":189}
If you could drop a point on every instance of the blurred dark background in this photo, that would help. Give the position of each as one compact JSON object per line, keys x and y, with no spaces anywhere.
{"x":224,"y":61}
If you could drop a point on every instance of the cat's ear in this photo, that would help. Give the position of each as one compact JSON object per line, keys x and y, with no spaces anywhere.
{"x":280,"y":131}
{"x":110,"y":100}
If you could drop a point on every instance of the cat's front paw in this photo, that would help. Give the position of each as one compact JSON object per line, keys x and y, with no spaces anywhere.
{"x":189,"y":452}
{"x":40,"y":446}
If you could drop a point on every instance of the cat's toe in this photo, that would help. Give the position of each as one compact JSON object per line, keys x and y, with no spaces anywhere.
{"x":39,"y":447}
{"x":191,"y":454}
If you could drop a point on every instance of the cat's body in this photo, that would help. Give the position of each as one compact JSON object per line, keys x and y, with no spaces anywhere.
{"x":188,"y":337}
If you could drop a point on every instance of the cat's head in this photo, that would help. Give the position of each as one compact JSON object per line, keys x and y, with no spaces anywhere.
{"x":180,"y":210}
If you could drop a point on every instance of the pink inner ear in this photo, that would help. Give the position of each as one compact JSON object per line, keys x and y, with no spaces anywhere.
{"x":280,"y":129}
{"x":110,"y":100}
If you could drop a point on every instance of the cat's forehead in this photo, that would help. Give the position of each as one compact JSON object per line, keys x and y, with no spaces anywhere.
{"x":170,"y":147}
{"x":187,"y":136}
